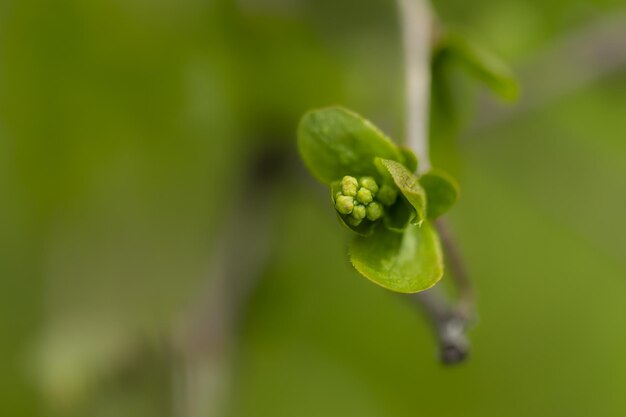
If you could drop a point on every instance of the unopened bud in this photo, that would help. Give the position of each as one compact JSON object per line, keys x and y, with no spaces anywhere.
{"x":387,"y":195}
{"x":354,"y":222}
{"x":359,"y":212}
{"x":349,"y":186}
{"x":344,"y":204}
{"x":374,"y":211}
{"x":369,"y":183}
{"x":364,"y":196}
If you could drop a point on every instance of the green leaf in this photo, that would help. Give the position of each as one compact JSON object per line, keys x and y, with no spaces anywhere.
{"x":365,"y":228}
{"x":409,"y":186}
{"x":405,"y":262}
{"x":334,"y":142}
{"x":442,"y":192}
{"x":409,"y":158}
{"x":482,"y":64}
{"x":451,"y":107}
{"x":398,"y":216}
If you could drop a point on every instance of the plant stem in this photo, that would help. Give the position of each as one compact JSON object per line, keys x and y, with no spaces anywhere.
{"x":450,"y":322}
{"x":206,"y":338}
{"x":466,"y":298}
{"x":417,"y":17}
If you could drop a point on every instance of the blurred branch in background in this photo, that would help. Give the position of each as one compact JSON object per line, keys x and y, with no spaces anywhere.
{"x":206,"y":340}
{"x":570,"y":63}
{"x":450,"y":322}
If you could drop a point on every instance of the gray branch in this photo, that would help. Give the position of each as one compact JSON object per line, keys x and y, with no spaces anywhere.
{"x":449,"y":322}
{"x":205,"y":340}
{"x":416,"y":18}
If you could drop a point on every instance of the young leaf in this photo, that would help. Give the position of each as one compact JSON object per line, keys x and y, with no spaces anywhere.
{"x":405,"y":262}
{"x":398,"y":216}
{"x":482,"y":64}
{"x":409,"y":186}
{"x":409,"y":160}
{"x":442,"y":192}
{"x":334,"y":142}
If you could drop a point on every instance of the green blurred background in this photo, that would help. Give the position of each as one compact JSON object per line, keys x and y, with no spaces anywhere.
{"x":127,"y":129}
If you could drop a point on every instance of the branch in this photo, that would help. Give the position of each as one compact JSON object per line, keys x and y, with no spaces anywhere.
{"x":416,"y":20}
{"x":466,"y":299}
{"x":449,"y":322}
{"x":204,"y":341}
{"x":572,"y":62}
{"x":449,"y":327}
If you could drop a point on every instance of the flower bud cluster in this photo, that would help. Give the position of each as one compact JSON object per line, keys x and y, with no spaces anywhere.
{"x":363,"y":199}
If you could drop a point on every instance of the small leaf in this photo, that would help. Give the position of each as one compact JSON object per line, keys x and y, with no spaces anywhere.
{"x":405,"y":262}
{"x":451,"y":106}
{"x":409,"y":160}
{"x":334,"y":142}
{"x":482,"y":64}
{"x":442,"y":192}
{"x":398,"y":216}
{"x":409,"y":186}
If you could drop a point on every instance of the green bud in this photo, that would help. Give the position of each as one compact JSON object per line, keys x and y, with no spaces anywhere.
{"x":387,"y":195}
{"x":354,"y":222}
{"x":364,"y":196}
{"x":344,"y":204}
{"x":349,"y":186}
{"x":374,"y":211}
{"x":369,"y":183}
{"x":359,"y":212}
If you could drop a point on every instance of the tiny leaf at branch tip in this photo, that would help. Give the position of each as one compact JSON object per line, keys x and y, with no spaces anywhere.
{"x":410,"y":160}
{"x":405,"y":262}
{"x":481,"y":63}
{"x":409,"y":186}
{"x":334,"y":141}
{"x":378,"y":196}
{"x":442,"y":192}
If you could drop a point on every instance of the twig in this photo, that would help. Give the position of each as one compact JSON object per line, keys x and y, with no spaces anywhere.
{"x":466,"y":297}
{"x":449,"y":327}
{"x":416,"y":17}
{"x":205,"y":340}
{"x":449,"y":322}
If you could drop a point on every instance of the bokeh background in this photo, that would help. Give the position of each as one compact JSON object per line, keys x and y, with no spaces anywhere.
{"x":136,"y":215}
